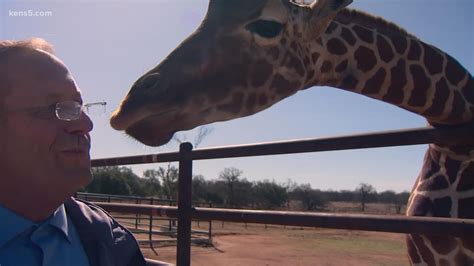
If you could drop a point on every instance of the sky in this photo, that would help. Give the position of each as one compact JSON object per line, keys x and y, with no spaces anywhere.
{"x":108,"y":44}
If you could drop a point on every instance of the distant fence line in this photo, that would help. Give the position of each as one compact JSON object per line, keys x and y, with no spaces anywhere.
{"x":185,"y":212}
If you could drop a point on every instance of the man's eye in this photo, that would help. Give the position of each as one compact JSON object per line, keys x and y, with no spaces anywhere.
{"x":265,"y":28}
{"x":45,"y":112}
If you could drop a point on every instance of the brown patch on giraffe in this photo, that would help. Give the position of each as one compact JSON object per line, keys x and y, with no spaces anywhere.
{"x":261,"y":71}
{"x":430,"y":166}
{"x":251,"y":100}
{"x":433,"y":59}
{"x":398,"y":80}
{"x":442,"y":207}
{"x":374,"y":84}
{"x":314,"y":57}
{"x":463,"y":259}
{"x":309,"y":76}
{"x":468,"y":90}
{"x":293,"y":46}
{"x":459,"y":106}
{"x":421,"y":206}
{"x":363,"y":33}
{"x":466,"y":181}
{"x":281,"y":85}
{"x":306,"y":61}
{"x":421,"y":85}
{"x":283,"y":41}
{"x":465,"y":209}
{"x":331,"y":28}
{"x":234,"y":106}
{"x":442,"y":244}
{"x":274,"y":53}
{"x":341,"y":66}
{"x":385,"y":50}
{"x":454,"y":71}
{"x":293,"y":62}
{"x":319,"y":41}
{"x":439,"y":100}
{"x":336,"y":46}
{"x":365,"y":59}
{"x":468,"y":243}
{"x":348,"y":36}
{"x":400,"y":43}
{"x":262,"y":99}
{"x":415,"y":50}
{"x":425,"y":252}
{"x":443,"y":262}
{"x":348,"y":83}
{"x":326,"y":66}
{"x":436,"y":183}
{"x":412,"y":250}
{"x":452,"y":169}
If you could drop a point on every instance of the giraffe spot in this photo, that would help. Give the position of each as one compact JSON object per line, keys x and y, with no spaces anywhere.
{"x":349,"y":83}
{"x":415,"y":50}
{"x":398,"y":81}
{"x":442,"y":244}
{"x":468,"y":243}
{"x":463,"y":259}
{"x":421,"y":84}
{"x":296,"y":64}
{"x":365,"y":58}
{"x":433,"y":59}
{"x":336,"y":46}
{"x":454,"y":71}
{"x":262,"y":100}
{"x":458,"y":108}
{"x":319,"y":41}
{"x":385,"y":50}
{"x":309,"y":76}
{"x":306,"y":61}
{"x":326,"y":67}
{"x":424,"y":250}
{"x":400,"y":43}
{"x":439,"y":100}
{"x":341,"y":66}
{"x":348,"y":36}
{"x":251,"y":100}
{"x":442,"y":207}
{"x":281,"y":85}
{"x":374,"y":84}
{"x":452,"y":169}
{"x":436,"y":183}
{"x":331,"y":28}
{"x":466,"y":182}
{"x":468,"y":90}
{"x":444,"y":262}
{"x":274,"y":52}
{"x":412,"y":251}
{"x":261,"y":72}
{"x":363,"y":33}
{"x":430,"y":166}
{"x":293,"y":46}
{"x":465,"y":209}
{"x":314,"y":57}
{"x":421,"y":206}
{"x":234,"y":106}
{"x":283,"y":41}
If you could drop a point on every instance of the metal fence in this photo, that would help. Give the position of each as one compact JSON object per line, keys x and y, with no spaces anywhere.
{"x":185,"y":212}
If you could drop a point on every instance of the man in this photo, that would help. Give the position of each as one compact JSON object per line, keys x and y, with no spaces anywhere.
{"x":44,"y":159}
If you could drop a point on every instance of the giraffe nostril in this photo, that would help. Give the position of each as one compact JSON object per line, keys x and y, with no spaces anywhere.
{"x":153,"y":84}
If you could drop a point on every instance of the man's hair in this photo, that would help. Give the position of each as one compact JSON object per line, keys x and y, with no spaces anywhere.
{"x":10,"y":48}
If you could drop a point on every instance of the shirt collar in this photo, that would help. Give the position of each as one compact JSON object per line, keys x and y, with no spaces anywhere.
{"x":59,"y":220}
{"x":12,"y":225}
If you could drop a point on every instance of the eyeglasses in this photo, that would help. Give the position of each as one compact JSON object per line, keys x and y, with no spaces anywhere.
{"x":65,"y":111}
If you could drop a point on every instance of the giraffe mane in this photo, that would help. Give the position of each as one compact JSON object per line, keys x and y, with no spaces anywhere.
{"x":383,"y":26}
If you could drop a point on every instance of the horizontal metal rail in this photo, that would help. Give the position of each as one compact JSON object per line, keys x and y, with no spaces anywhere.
{"x":455,"y":135}
{"x":380,"y":223}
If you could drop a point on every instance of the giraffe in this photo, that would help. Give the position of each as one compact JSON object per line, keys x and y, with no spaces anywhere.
{"x":249,"y":54}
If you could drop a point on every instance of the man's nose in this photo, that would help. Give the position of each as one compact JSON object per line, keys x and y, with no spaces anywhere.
{"x":81,"y":126}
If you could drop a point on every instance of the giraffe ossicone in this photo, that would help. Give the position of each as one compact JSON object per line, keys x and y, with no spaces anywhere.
{"x":249,"y":54}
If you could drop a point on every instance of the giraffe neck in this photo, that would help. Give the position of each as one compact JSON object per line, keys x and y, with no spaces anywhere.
{"x":369,"y":56}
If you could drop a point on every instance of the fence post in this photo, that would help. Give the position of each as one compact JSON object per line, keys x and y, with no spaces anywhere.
{"x":183,"y":254}
{"x":210,"y":225}
{"x":150,"y":236}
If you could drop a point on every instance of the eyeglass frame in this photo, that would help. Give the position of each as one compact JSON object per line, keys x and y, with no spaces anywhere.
{"x":78,"y":109}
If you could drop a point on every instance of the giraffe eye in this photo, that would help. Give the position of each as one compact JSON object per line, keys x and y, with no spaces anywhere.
{"x":265,"y":28}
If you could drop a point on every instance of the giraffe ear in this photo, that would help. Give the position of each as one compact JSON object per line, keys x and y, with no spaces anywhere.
{"x":322,"y":13}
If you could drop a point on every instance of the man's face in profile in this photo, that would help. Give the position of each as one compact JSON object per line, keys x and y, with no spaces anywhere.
{"x":38,"y":149}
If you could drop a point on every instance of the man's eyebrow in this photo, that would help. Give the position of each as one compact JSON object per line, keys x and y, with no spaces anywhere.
{"x":54,"y":97}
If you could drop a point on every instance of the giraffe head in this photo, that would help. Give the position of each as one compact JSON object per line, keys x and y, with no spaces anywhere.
{"x":245,"y":56}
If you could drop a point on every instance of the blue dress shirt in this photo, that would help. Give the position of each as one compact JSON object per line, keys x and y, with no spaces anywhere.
{"x":52,"y":242}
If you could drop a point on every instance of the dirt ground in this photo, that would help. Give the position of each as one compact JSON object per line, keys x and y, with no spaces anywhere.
{"x":255,"y":245}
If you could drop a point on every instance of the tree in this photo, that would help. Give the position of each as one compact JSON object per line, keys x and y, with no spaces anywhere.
{"x":230,"y":177}
{"x":169,"y":181}
{"x":113,"y":180}
{"x":269,"y":195}
{"x":151,"y":184}
{"x":310,"y":198}
{"x":365,"y":191}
